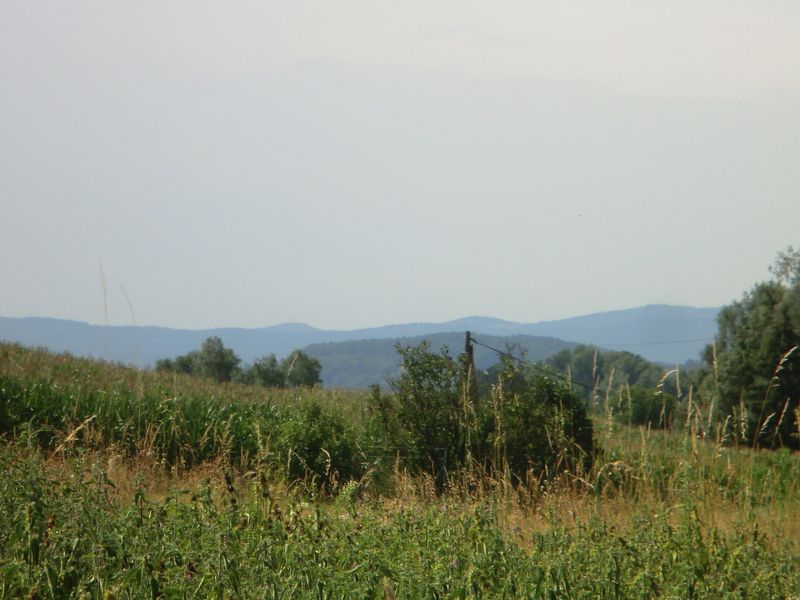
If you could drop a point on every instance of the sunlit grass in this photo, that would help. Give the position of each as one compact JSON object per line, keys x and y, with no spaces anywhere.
{"x":121,"y":483}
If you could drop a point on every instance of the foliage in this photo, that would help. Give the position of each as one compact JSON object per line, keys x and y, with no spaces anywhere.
{"x":429,"y":409}
{"x":179,"y":422}
{"x":77,"y":535}
{"x":535,"y":424}
{"x":359,"y":364}
{"x":116,"y":483}
{"x":600,"y":369}
{"x":296,"y":370}
{"x":786,"y":267}
{"x":649,"y":407}
{"x":213,"y":360}
{"x":264,"y":371}
{"x":221,"y":364}
{"x":528,"y":423}
{"x":186,"y":364}
{"x":300,"y":369}
{"x":755,"y":363}
{"x":318,"y":446}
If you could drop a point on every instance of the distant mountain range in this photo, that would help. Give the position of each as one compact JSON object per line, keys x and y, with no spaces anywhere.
{"x":660,"y":333}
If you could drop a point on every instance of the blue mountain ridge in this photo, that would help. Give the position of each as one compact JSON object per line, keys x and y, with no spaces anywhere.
{"x":660,"y":333}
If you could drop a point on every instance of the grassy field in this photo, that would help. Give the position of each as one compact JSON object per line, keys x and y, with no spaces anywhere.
{"x":116,"y":483}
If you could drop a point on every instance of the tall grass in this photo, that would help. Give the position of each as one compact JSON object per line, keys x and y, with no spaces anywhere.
{"x":178,"y":421}
{"x":121,"y":483}
{"x":70,"y":532}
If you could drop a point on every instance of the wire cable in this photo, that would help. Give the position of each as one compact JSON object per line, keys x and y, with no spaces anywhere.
{"x":533,"y":365}
{"x":652,"y":343}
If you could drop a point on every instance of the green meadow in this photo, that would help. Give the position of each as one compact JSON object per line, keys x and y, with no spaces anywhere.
{"x":120,"y":483}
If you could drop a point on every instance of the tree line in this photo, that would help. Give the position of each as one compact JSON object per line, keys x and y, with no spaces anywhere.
{"x":748,"y":378}
{"x":753,"y":366}
{"x":214,"y":361}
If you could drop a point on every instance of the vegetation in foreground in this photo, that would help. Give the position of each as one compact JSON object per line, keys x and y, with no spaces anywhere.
{"x":119,"y":483}
{"x":85,"y":528}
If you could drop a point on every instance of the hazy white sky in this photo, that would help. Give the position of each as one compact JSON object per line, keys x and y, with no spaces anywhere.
{"x":356,"y":163}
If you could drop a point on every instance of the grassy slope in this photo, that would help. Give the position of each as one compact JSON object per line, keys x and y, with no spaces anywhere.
{"x":662,"y":514}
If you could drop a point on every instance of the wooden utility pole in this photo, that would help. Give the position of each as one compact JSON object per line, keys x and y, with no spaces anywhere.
{"x":470,"y":377}
{"x":469,"y":396}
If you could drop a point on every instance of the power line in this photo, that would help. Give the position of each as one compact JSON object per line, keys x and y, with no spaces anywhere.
{"x":652,"y":343}
{"x":534,"y":365}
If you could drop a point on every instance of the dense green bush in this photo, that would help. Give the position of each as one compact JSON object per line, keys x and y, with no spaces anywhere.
{"x":264,"y":371}
{"x":535,"y":424}
{"x":430,"y":411}
{"x":526,"y":423}
{"x":318,"y":446}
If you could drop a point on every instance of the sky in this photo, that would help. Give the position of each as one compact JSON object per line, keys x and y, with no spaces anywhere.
{"x":357,"y":163}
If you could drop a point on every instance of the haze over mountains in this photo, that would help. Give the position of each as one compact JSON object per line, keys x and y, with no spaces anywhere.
{"x":660,"y":333}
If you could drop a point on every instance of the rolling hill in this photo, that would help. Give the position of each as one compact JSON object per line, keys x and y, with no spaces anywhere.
{"x":660,"y":333}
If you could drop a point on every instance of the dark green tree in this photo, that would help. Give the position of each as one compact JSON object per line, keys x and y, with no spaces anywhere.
{"x":757,"y":356}
{"x":266,"y":371}
{"x":300,"y":369}
{"x":165,"y":364}
{"x":428,"y":394}
{"x":611,"y":372}
{"x":646,"y":406}
{"x":213,"y":360}
{"x":187,"y":363}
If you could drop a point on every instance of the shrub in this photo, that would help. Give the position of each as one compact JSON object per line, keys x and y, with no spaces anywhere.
{"x":527,"y":422}
{"x":318,"y":445}
{"x":429,"y":410}
{"x":535,"y":424}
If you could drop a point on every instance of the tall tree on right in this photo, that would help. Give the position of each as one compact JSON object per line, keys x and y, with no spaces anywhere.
{"x":758,"y":358}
